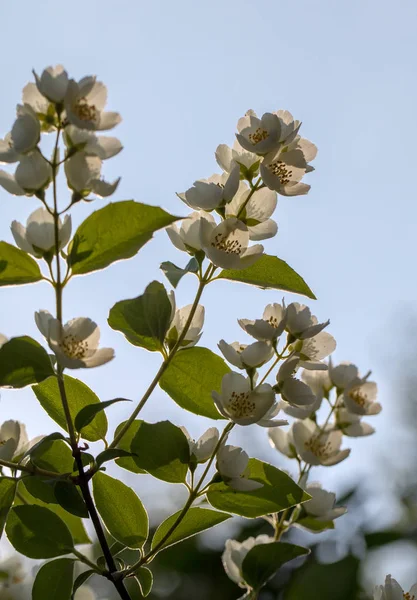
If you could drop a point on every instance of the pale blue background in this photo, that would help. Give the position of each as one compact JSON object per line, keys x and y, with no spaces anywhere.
{"x":181,"y":74}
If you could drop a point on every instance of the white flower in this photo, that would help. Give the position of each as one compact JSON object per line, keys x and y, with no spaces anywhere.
{"x":13,"y":439}
{"x":43,"y":108}
{"x":84,"y":176}
{"x":75,"y":343}
{"x":204,"y":447}
{"x":33,"y":174}
{"x":84,"y":593}
{"x":319,"y":381}
{"x":38,"y":236}
{"x":84,"y":103}
{"x":259,"y":135}
{"x":244,"y":406}
{"x":211,"y":193}
{"x":234,"y":554}
{"x":317,"y":447}
{"x":283,"y":441}
{"x":8,"y":152}
{"x":351,"y":424}
{"x":392,"y":590}
{"x":227,"y":158}
{"x":292,"y":390}
{"x":226,"y":245}
{"x":322,"y":504}
{"x":246,"y":356}
{"x":232,"y":464}
{"x":26,"y":131}
{"x":270,"y":327}
{"x":359,"y":398}
{"x":81,"y":139}
{"x":13,"y":567}
{"x":314,"y":349}
{"x":178,"y":322}
{"x":187,"y":236}
{"x":255,"y":212}
{"x":53,"y":83}
{"x":342,"y":374}
{"x":283,"y":171}
{"x":301,"y":323}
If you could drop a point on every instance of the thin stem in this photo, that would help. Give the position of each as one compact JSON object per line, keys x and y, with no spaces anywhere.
{"x":31,"y":469}
{"x":254,"y":189}
{"x":203,"y":282}
{"x":193,"y":495}
{"x":76,"y":452}
{"x":86,"y":561}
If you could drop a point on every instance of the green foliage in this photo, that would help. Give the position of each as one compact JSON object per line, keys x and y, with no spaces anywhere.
{"x":79,"y":395}
{"x":17,"y":267}
{"x":144,"y":578}
{"x":121,"y":510}
{"x":279,"y":491}
{"x":191,"y":377}
{"x":174,"y":274}
{"x":54,"y":580}
{"x":270,"y":272}
{"x":68,"y":496}
{"x":314,"y":525}
{"x":113,"y":233}
{"x":195,"y":521}
{"x":87,"y":414}
{"x":23,"y":362}
{"x":7,"y":494}
{"x":38,"y":532}
{"x":132,"y":463}
{"x":144,"y":320}
{"x":111,"y":454}
{"x":74,"y":524}
{"x":54,"y":455}
{"x":262,"y":561}
{"x":80,"y":580}
{"x":162,"y":450}
{"x":336,"y":581}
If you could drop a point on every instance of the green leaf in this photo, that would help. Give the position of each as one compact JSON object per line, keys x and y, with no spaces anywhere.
{"x":79,"y":395}
{"x":195,"y":521}
{"x":313,"y":525}
{"x":112,"y":454}
{"x":279,"y":492}
{"x":38,"y":532}
{"x":54,"y":580}
{"x":80,"y":580}
{"x":54,"y":455}
{"x":7,"y":494}
{"x":121,"y":510}
{"x":262,"y":561}
{"x":375,"y":539}
{"x":145,"y":580}
{"x":40,"y":488}
{"x":335,"y":581}
{"x":144,"y":320}
{"x":114,"y":232}
{"x":162,"y":450}
{"x":174,"y":274}
{"x":191,"y":377}
{"x":130,"y":464}
{"x":270,"y":272}
{"x":74,"y":524}
{"x":22,"y":362}
{"x":68,"y":496}
{"x":17,"y":267}
{"x":87,"y":414}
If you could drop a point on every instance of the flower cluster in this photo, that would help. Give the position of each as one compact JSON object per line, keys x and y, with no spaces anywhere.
{"x":268,"y":157}
{"x":56,"y":103}
{"x":392,"y":590}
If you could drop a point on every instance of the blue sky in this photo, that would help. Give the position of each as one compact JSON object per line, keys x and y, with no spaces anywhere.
{"x":181,"y":74}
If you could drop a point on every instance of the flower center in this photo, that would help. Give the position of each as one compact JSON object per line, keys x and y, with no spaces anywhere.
{"x":85,"y":111}
{"x":2,"y":442}
{"x":358,"y":397}
{"x":408,"y":596}
{"x":321,"y":449}
{"x":273,"y":321}
{"x":240,"y":405}
{"x":258,"y":136}
{"x":74,"y":347}
{"x":279,"y":169}
{"x":224,"y":243}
